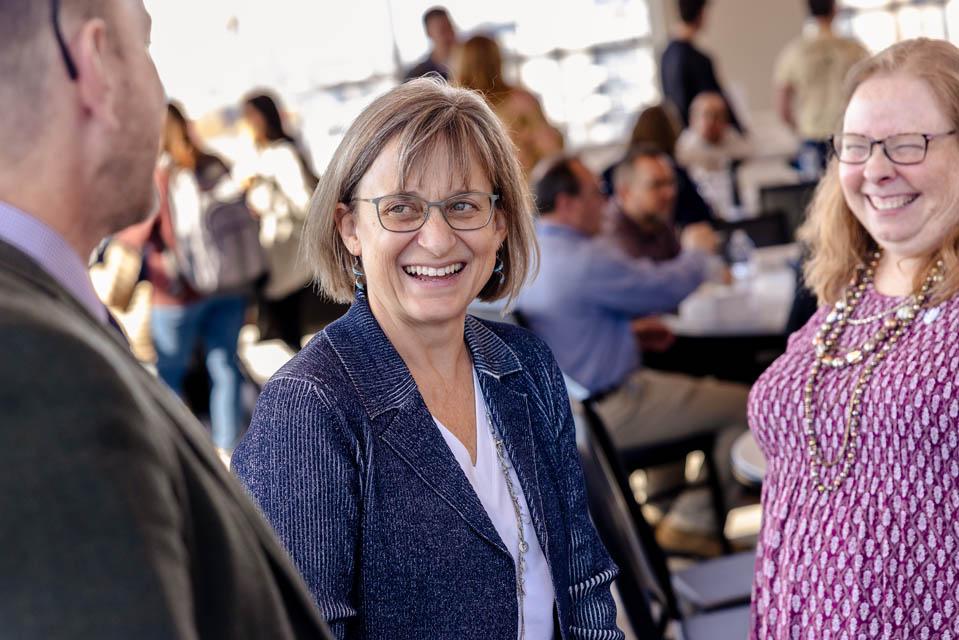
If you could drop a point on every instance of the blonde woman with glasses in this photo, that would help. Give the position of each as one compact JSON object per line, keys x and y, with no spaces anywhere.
{"x":859,"y":420}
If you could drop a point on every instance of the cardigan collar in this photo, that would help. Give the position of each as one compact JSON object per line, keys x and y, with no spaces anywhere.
{"x":384,"y":383}
{"x":382,"y":380}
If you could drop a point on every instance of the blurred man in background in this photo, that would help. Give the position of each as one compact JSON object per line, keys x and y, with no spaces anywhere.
{"x":809,"y":77}
{"x":684,"y":69}
{"x":711,"y":150}
{"x":117,"y":519}
{"x":439,"y":29}
{"x":589,"y":303}
{"x":640,"y":216}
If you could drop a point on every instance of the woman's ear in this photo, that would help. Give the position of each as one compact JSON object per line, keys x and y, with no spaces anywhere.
{"x":499,"y":225}
{"x":346,"y":225}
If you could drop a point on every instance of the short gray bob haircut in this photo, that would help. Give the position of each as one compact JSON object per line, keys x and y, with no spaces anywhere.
{"x":423,"y":115}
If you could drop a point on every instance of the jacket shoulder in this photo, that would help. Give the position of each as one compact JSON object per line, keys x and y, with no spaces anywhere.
{"x":316,"y":363}
{"x":531,"y":351}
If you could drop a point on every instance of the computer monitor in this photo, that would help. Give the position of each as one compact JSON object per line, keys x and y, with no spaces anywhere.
{"x":791,"y":199}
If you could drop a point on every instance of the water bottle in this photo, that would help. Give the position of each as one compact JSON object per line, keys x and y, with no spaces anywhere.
{"x":810,"y":164}
{"x":740,"y":251}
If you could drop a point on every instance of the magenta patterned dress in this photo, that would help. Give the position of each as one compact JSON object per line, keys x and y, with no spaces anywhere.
{"x":879,"y":557}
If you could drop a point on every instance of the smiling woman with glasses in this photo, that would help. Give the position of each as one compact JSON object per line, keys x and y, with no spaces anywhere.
{"x":858,"y":420}
{"x":420,"y":464}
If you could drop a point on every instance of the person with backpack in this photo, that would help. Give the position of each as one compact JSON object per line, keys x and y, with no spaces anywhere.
{"x":280,"y":182}
{"x":203,"y":267}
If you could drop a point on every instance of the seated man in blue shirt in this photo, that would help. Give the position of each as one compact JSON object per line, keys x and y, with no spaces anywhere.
{"x":588,"y":303}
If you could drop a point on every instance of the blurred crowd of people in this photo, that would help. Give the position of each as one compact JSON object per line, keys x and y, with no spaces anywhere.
{"x":650,"y":220}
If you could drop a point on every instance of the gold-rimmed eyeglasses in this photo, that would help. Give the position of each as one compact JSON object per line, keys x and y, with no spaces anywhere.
{"x":405,"y":213}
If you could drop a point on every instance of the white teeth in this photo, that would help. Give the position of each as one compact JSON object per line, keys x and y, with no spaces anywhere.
{"x":433,"y":272}
{"x":891,"y":202}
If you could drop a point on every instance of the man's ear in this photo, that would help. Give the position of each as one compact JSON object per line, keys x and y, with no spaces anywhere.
{"x":562,"y":201}
{"x":346,"y":225}
{"x":98,"y":81}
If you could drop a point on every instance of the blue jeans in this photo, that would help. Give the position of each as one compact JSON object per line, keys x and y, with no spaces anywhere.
{"x":216,"y":323}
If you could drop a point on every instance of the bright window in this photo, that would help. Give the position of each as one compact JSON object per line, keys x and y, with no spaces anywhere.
{"x":590,"y":61}
{"x":880,"y":23}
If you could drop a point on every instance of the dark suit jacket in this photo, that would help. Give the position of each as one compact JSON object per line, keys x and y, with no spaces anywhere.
{"x":117,"y":520}
{"x":346,"y":462}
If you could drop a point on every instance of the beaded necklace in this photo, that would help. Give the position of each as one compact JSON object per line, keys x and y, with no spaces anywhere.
{"x":870,"y":354}
{"x":522,"y":545}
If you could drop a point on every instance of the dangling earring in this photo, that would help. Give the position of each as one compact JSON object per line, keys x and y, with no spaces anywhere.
{"x":358,"y":275}
{"x":498,"y":268}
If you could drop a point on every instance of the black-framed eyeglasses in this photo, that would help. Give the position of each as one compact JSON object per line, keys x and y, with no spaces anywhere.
{"x":61,"y":43}
{"x":902,"y":148}
{"x":405,"y":213}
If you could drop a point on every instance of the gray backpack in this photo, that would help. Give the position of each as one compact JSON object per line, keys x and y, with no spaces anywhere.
{"x":225,"y":256}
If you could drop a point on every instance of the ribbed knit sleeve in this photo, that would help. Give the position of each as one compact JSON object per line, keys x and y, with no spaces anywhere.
{"x":300,"y":464}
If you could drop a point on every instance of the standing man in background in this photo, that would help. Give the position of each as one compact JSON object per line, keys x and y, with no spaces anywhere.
{"x":685,"y":70}
{"x":439,"y":29}
{"x":117,"y":519}
{"x":809,"y":77}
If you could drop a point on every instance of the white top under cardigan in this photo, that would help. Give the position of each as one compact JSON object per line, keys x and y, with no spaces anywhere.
{"x":488,"y":482}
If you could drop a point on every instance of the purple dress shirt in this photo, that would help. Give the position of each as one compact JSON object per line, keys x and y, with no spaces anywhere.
{"x":54,"y":255}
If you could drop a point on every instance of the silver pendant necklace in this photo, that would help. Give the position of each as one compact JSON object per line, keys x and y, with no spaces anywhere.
{"x":522,"y":545}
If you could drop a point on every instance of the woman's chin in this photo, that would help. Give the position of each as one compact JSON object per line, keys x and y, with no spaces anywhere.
{"x":438,"y":306}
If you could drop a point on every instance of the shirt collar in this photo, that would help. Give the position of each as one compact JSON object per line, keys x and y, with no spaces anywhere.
{"x":813,"y":30}
{"x":52,"y":253}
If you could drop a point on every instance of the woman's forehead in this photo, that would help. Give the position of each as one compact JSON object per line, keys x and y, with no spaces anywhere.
{"x":889,"y":104}
{"x":434,"y":165}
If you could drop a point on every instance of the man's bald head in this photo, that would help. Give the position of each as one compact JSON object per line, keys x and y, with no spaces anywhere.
{"x":29,"y":55}
{"x":82,"y":121}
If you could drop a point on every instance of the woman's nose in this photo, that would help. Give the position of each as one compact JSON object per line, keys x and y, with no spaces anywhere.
{"x":436,"y":235}
{"x":878,"y":166}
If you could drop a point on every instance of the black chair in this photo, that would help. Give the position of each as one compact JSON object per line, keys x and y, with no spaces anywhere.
{"x":611,"y":509}
{"x":662,"y":453}
{"x":765,"y":230}
{"x":676,"y":451}
{"x":791,"y":199}
{"x":706,"y":599}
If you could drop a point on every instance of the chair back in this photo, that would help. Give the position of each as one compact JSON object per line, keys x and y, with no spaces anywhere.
{"x":627,"y":535}
{"x":765,"y":230}
{"x":791,"y":199}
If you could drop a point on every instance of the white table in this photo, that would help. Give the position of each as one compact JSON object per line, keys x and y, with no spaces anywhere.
{"x":757,"y":305}
{"x":749,"y":465}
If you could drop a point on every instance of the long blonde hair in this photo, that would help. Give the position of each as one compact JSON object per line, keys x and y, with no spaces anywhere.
{"x":838,"y":242}
{"x":480,"y":67}
{"x":423,"y":115}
